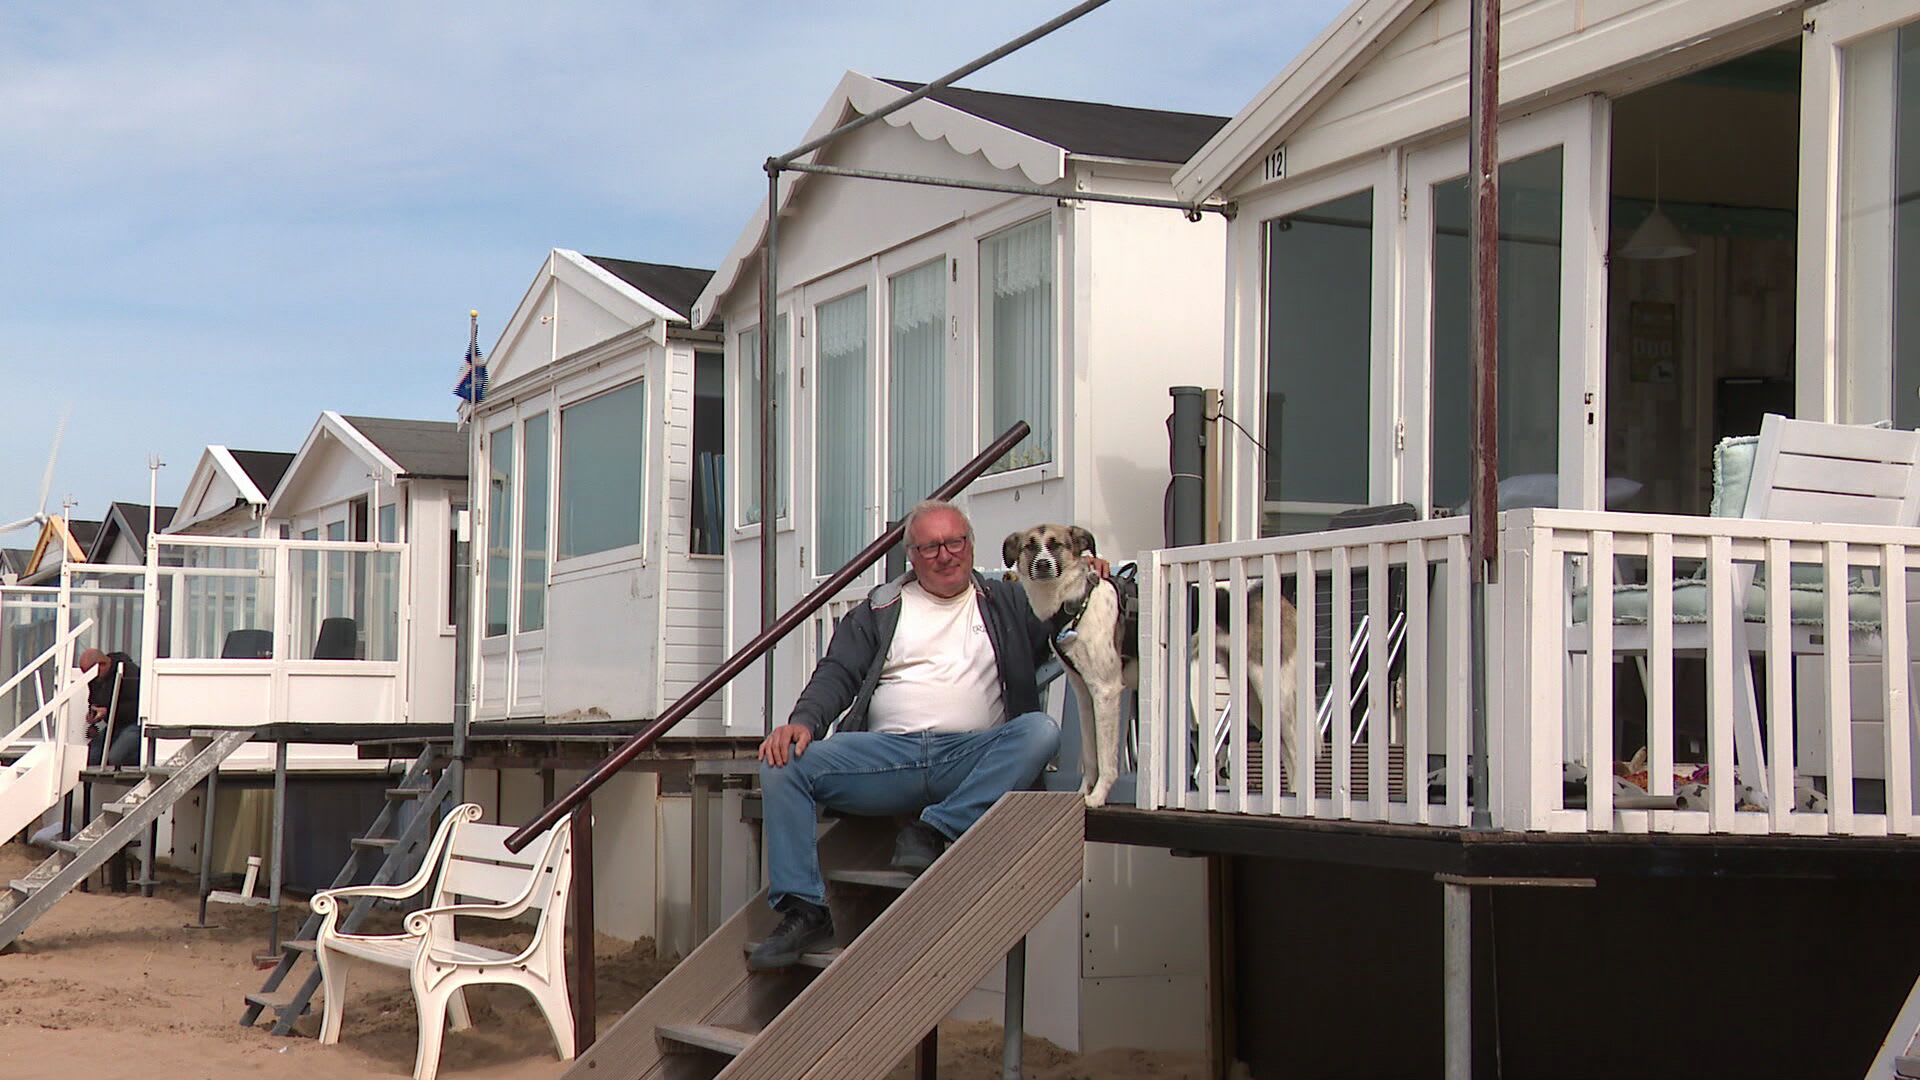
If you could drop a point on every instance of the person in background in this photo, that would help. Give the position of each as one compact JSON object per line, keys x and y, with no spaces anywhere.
{"x":113,"y":705}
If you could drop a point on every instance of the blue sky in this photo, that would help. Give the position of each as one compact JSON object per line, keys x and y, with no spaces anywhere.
{"x":222,"y":218}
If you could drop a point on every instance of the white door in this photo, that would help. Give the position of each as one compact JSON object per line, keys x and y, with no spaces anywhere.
{"x":1552,"y":296}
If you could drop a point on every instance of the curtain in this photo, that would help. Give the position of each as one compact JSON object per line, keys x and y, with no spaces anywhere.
{"x":534,"y":490}
{"x":840,"y":436}
{"x":1016,"y":338}
{"x":916,"y":428}
{"x":749,"y":425}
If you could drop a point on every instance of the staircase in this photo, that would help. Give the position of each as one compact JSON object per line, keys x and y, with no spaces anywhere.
{"x":908,"y":950}
{"x":395,"y":844}
{"x":119,"y":823}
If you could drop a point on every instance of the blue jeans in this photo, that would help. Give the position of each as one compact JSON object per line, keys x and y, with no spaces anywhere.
{"x":948,"y":779}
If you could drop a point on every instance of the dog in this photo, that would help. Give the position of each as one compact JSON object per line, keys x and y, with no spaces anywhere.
{"x":1101,"y":651}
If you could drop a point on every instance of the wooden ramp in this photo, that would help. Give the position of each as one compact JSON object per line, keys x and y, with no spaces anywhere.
{"x":908,"y":950}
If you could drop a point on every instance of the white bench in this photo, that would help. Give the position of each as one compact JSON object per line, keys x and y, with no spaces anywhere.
{"x":471,"y":874}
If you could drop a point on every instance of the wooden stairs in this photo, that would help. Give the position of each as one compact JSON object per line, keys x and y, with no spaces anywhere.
{"x":908,"y":949}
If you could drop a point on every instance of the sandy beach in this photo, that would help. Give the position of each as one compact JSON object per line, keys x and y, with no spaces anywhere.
{"x":109,"y":986}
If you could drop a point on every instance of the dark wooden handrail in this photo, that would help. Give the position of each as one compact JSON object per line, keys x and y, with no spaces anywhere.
{"x":753,"y":650}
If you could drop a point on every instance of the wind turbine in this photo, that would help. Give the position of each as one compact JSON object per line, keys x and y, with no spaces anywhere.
{"x":39,"y":516}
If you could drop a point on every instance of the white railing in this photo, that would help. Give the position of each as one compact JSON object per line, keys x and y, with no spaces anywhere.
{"x":1731,"y":745}
{"x":256,"y":631}
{"x":1400,"y":754}
{"x":1665,"y":648}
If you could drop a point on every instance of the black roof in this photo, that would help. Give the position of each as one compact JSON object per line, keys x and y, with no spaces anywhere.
{"x":675,"y":286}
{"x":263,"y":467}
{"x":15,"y":560}
{"x":1086,"y":128}
{"x":424,"y":449}
{"x":127,"y":517}
{"x":85,"y":533}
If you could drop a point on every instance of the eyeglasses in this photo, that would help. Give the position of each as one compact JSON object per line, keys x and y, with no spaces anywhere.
{"x":953,"y":545}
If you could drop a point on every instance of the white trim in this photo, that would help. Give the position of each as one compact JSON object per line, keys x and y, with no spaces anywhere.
{"x":231,"y":466}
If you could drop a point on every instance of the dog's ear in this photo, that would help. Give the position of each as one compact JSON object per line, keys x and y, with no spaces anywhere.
{"x":1010,"y":548}
{"x":1082,"y":541}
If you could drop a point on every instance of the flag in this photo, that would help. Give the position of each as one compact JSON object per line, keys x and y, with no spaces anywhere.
{"x":472,"y":387}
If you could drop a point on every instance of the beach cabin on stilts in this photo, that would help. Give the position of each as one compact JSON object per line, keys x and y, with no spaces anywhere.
{"x":1698,"y":717}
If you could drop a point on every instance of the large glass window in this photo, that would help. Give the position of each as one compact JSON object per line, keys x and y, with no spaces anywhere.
{"x":1879,"y":294}
{"x":1319,"y":363}
{"x":603,"y":471}
{"x":709,"y":454}
{"x":499,"y":530}
{"x":1529,"y":347}
{"x":916,"y":384}
{"x":1017,"y":338}
{"x":749,"y":468}
{"x":537,"y":459}
{"x":840,"y":431}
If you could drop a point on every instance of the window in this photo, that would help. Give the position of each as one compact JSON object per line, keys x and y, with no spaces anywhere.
{"x":603,"y":471}
{"x":1016,"y":339}
{"x":709,"y":454}
{"x":916,"y":379}
{"x":535,"y":454}
{"x":499,"y":530}
{"x":1319,"y":363}
{"x":749,"y":468}
{"x":1529,"y":307}
{"x":840,"y":432}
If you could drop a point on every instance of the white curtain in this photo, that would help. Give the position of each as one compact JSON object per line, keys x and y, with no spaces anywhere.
{"x":916,"y":398}
{"x":499,"y":530}
{"x":840,"y":435}
{"x":534,"y":487}
{"x":1016,"y":338}
{"x":748,"y":469}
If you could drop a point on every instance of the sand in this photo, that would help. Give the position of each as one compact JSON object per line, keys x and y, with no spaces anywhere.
{"x":107,"y":986}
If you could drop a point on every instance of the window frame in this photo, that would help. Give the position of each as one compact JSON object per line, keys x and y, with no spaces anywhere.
{"x":738,"y":527}
{"x":816,"y":295}
{"x":578,"y":392}
{"x":985,"y":228}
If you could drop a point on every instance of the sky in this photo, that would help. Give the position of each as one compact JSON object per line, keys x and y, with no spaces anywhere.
{"x":219,"y":219}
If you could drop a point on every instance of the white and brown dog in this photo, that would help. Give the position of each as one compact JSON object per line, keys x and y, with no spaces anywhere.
{"x":1101,"y":651}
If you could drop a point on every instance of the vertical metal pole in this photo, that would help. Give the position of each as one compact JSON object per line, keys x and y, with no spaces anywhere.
{"x":206,"y":845}
{"x":585,"y":1004}
{"x":701,"y":807}
{"x":926,"y":1060}
{"x":769,"y":453}
{"x":1457,"y":978}
{"x":1014,"y":1025}
{"x":1483,"y":169}
{"x":279,"y":845}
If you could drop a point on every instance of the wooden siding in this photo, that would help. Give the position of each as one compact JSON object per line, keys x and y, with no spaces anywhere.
{"x":1551,"y":49}
{"x":692,"y":639}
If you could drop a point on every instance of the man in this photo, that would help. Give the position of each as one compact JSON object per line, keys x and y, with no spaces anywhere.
{"x":113,"y":701}
{"x":935,"y":676}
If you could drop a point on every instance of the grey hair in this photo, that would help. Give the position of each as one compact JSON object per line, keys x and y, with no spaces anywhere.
{"x":927,"y":506}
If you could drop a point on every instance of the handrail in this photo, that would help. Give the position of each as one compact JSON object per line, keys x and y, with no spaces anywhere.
{"x":60,"y":699}
{"x":34,"y":664}
{"x":753,"y":650}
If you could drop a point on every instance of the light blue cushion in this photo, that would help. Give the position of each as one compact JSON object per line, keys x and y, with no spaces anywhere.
{"x":1806,"y":604}
{"x":1732,"y":475}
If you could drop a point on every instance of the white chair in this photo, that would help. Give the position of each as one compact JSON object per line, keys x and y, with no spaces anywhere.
{"x":1794,"y":470}
{"x":471,"y":875}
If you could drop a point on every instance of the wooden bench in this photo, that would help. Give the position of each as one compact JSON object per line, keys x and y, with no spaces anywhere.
{"x":467,"y":872}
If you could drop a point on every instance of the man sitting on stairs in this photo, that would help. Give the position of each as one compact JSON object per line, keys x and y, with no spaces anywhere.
{"x":113,"y":708}
{"x":935,"y":675}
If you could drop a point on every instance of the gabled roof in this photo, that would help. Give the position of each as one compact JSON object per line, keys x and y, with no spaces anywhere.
{"x":1085,"y":128}
{"x":675,"y":286}
{"x":263,"y":467}
{"x":14,"y":560}
{"x":1035,"y":136}
{"x":129,"y":520}
{"x":61,"y":539}
{"x":424,"y":449}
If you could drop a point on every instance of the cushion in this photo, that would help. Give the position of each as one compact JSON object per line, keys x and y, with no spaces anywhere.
{"x":1806,"y":603}
{"x":1732,"y":475}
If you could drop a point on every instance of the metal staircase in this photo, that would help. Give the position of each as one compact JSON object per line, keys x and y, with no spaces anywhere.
{"x":396,"y":839}
{"x":908,"y":950}
{"x":119,"y":823}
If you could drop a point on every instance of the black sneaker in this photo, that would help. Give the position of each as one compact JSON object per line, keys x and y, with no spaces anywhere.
{"x":807,"y":926}
{"x":917,"y":846}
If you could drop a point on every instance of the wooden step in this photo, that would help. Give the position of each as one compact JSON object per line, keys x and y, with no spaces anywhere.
{"x":303,"y":945}
{"x":24,"y":887}
{"x":374,"y":843}
{"x":878,"y":879}
{"x":223,"y":896}
{"x":708,"y":1037}
{"x":408,"y":792}
{"x":276,"y":1000}
{"x":818,"y":958}
{"x":121,"y":806}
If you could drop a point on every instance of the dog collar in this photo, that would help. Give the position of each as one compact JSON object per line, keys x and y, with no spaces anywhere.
{"x":1066,"y":620}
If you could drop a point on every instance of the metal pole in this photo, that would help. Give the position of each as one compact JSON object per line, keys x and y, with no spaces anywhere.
{"x":753,"y":650}
{"x":1483,"y":169}
{"x":1186,"y":432}
{"x":769,"y":452}
{"x":585,"y":1001}
{"x":950,"y":77}
{"x":1192,"y":209}
{"x":1014,"y":1024}
{"x":206,"y":847}
{"x":1457,"y":979}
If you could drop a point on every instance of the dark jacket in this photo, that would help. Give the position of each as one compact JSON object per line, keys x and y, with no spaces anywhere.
{"x":844,"y":681}
{"x":101,"y":690}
